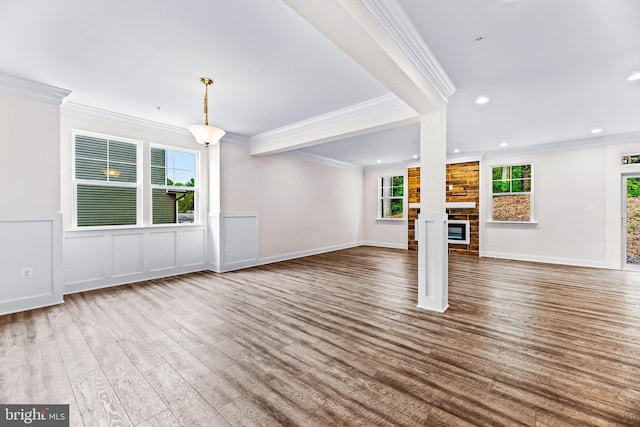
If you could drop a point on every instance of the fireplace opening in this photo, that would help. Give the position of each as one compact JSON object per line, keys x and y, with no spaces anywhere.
{"x":458,"y":231}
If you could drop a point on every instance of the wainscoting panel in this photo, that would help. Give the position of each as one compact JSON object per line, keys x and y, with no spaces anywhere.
{"x":127,"y":254}
{"x":161,"y":250}
{"x":30,"y":261}
{"x":100,"y":258}
{"x":240,"y":239}
{"x":192,"y":247}
{"x":88,"y":255}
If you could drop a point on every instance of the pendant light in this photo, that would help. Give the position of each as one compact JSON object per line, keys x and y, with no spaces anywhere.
{"x":206,"y":134}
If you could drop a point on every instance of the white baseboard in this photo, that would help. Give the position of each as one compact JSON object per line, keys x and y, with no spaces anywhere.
{"x":288,"y":256}
{"x":385,"y":245}
{"x":73,"y":288}
{"x":24,"y":304}
{"x":545,"y":259}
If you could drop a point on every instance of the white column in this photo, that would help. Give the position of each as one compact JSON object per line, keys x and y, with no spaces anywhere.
{"x":213,"y":208}
{"x":432,"y":221}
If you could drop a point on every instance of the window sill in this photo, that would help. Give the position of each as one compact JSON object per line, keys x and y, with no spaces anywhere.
{"x":390,"y":219}
{"x":512,"y":222}
{"x":130,"y":227}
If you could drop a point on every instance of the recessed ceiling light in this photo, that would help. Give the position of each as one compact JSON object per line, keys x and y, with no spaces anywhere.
{"x":457,"y":150}
{"x":481,"y":100}
{"x":633,"y":77}
{"x":596,"y":130}
{"x":378,"y":161}
{"x":503,"y":144}
{"x":415,"y":156}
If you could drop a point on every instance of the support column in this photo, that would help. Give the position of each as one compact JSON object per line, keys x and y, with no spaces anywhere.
{"x":431,"y":227}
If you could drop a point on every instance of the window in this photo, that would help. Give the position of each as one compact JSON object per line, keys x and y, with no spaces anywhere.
{"x":512,"y":193}
{"x":173,"y":186}
{"x":106,"y":180}
{"x":391,"y":197}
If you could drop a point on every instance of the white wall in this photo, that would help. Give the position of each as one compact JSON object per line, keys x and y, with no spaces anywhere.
{"x":387,"y":233}
{"x":303,"y":207}
{"x":566,"y":181}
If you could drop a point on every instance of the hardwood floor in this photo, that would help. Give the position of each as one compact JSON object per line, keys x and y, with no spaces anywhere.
{"x":336,"y":339}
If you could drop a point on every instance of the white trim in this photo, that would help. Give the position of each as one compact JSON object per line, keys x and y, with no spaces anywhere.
{"x":459,"y":205}
{"x":379,"y":113}
{"x":533,"y":223}
{"x":544,"y":259}
{"x":18,"y":86}
{"x":571,"y":144}
{"x":322,"y":160}
{"x":97,"y":115}
{"x":127,"y":279}
{"x":385,"y":245}
{"x":392,"y":17}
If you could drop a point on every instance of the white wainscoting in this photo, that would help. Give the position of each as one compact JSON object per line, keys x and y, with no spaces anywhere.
{"x":31,"y":266}
{"x":239,"y":239}
{"x":99,"y":258}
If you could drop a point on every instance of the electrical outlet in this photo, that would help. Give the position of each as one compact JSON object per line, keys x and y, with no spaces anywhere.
{"x":27,"y":273}
{"x":492,"y":239}
{"x":589,"y":208}
{"x":603,"y":247}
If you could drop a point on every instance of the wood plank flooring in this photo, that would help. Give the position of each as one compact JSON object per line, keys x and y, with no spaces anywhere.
{"x":336,"y":339}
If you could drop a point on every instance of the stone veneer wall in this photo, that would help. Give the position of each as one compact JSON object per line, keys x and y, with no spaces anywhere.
{"x":463,"y":185}
{"x":413,"y":178}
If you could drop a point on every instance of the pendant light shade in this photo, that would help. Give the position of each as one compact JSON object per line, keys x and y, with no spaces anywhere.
{"x":205,"y":134}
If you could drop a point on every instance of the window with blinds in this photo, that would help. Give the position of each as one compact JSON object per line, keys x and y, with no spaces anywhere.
{"x":106,"y":175}
{"x":173,"y":186}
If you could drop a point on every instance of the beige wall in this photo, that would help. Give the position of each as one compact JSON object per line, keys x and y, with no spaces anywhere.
{"x":303,"y":206}
{"x":565,"y":183}
{"x":29,"y":155}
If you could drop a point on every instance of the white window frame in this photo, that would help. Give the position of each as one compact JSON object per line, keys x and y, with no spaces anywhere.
{"x":530,"y":193}
{"x":380,"y":197}
{"x":75,"y":181}
{"x":196,"y":188}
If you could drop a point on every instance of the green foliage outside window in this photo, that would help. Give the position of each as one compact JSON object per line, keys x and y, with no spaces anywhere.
{"x":391,"y":197}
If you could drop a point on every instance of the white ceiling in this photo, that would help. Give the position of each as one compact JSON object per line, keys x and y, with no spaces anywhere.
{"x":554,"y":69}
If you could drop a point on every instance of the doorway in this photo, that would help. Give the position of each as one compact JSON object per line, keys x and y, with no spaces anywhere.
{"x":631,"y":222}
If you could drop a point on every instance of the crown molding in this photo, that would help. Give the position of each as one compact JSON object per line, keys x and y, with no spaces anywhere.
{"x":474,"y":156}
{"x":236,"y":139}
{"x":378,"y":113}
{"x":315,"y":158}
{"x":625,"y":138}
{"x":392,"y":17}
{"x":18,"y":86}
{"x":93,"y":114}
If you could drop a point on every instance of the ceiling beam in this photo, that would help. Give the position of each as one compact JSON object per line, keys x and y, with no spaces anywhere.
{"x":377,"y":114}
{"x":380,"y":37}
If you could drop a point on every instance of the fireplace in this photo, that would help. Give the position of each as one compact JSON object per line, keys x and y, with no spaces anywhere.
{"x":458,"y":231}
